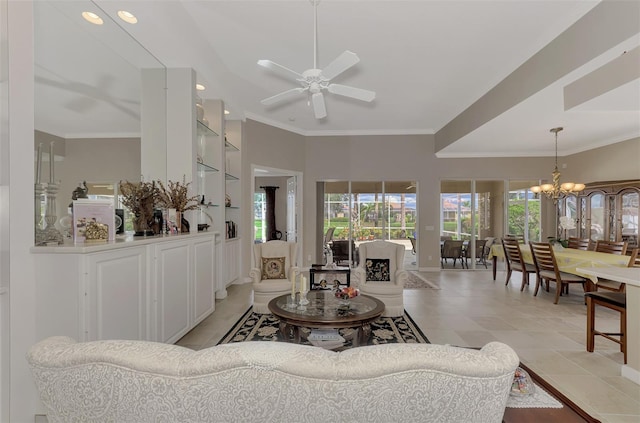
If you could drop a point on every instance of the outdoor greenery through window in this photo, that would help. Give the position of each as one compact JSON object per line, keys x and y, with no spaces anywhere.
{"x":370,"y":210}
{"x":523,"y":211}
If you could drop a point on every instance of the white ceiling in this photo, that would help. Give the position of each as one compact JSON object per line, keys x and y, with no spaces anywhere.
{"x":427,"y":61}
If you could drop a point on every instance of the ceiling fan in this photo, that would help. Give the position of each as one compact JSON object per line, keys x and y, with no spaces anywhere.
{"x":316,"y":80}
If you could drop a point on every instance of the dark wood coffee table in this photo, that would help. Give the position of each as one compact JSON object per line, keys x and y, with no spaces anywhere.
{"x":325,"y":311}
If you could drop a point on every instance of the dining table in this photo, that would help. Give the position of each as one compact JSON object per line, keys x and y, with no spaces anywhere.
{"x":569,"y":260}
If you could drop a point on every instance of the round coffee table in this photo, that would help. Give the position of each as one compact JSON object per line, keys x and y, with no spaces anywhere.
{"x":326,"y":311}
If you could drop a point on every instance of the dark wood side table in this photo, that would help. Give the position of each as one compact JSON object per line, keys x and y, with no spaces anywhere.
{"x":327,"y":277}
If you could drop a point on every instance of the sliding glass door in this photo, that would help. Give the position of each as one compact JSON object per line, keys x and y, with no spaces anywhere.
{"x":471,"y":210}
{"x":523,"y":211}
{"x":361,"y":211}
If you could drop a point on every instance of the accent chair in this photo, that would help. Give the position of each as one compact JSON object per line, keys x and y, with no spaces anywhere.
{"x":381,"y":274}
{"x":274,"y":265}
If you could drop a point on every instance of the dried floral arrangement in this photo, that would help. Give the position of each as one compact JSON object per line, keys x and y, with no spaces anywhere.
{"x":139,"y":197}
{"x":174,"y":196}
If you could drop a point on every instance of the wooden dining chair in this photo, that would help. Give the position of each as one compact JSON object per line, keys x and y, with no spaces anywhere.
{"x":611,"y":247}
{"x":519,"y":238}
{"x":547,"y":270}
{"x":606,"y":284}
{"x":513,"y":257}
{"x":616,"y":301}
{"x":579,"y":243}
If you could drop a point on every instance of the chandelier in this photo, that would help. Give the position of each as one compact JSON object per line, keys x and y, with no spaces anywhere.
{"x":556,"y":189}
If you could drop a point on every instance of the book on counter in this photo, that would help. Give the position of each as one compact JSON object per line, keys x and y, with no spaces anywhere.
{"x":95,"y":218}
{"x":325,"y":335}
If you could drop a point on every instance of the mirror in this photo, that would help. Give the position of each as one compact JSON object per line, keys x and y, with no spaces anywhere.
{"x":90,"y":81}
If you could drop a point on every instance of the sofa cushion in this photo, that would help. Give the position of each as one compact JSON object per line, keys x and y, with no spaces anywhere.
{"x":273,"y":268}
{"x":377,"y":269}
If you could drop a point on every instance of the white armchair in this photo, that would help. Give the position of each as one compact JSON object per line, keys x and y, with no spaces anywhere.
{"x":274,"y":263}
{"x":381,"y":274}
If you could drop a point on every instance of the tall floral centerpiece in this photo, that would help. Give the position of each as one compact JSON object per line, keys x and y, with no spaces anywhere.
{"x":175,"y":195}
{"x":140,"y":199}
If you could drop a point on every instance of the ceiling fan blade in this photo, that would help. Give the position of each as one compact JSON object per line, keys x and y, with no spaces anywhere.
{"x":282,"y":96}
{"x":357,"y":93}
{"x":273,"y":66}
{"x":340,"y":64}
{"x":319,"y":107}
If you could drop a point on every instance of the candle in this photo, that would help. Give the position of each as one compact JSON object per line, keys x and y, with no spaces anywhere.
{"x":303,"y":288}
{"x":51,"y":162}
{"x":39,"y":163}
{"x":293,"y":285}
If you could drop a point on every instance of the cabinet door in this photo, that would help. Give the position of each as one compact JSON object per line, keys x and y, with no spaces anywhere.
{"x":232,"y":261}
{"x":172,"y":290}
{"x":116,"y":295}
{"x":204,"y":288}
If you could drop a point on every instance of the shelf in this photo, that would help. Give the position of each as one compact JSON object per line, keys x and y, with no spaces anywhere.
{"x":232,"y":207}
{"x":205,"y":130}
{"x":230,"y":147}
{"x":206,"y":206}
{"x":230,"y":177}
{"x":206,"y":167}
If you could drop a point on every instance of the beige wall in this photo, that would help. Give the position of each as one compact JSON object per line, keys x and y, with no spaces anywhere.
{"x":614,"y":162}
{"x":411,"y":157}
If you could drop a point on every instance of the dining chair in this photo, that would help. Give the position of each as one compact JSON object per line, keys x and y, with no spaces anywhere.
{"x":609,"y":285}
{"x":611,"y":247}
{"x":547,"y":270}
{"x":451,"y":249}
{"x":519,"y":238}
{"x":616,"y":301}
{"x":579,"y":243}
{"x":513,"y":257}
{"x":479,"y":255}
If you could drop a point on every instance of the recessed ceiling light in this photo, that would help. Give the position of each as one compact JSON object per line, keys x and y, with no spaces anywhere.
{"x":226,"y":112}
{"x":200,"y":87}
{"x":127,"y":16}
{"x":93,"y":18}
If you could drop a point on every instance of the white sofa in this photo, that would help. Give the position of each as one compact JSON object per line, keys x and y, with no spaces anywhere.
{"x":140,"y":381}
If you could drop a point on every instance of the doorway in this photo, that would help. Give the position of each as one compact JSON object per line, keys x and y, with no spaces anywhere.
{"x":287,"y":209}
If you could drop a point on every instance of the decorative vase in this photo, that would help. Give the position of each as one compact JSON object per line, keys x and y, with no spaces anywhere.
{"x":141,"y":226}
{"x":178,"y":221}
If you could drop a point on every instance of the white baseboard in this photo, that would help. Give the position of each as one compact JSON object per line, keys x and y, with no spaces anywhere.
{"x":631,"y":373}
{"x":429,"y":269}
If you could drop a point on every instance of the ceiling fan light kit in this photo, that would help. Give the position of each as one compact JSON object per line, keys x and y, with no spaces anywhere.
{"x":314,"y":81}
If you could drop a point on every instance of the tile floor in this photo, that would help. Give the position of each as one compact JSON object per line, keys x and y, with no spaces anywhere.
{"x":470,"y":309}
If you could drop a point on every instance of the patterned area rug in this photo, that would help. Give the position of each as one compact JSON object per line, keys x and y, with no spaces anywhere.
{"x":416,"y":281}
{"x":265,"y":327}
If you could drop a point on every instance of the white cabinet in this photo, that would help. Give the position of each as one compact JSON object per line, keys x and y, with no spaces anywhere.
{"x":204,"y":286}
{"x":232,"y":258}
{"x":116,"y":295}
{"x":155,"y":288}
{"x":172,"y":276}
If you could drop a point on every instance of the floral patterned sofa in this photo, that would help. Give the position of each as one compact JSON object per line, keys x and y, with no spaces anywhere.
{"x":139,"y":381}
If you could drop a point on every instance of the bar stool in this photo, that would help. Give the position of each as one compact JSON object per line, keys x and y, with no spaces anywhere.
{"x":612,"y":300}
